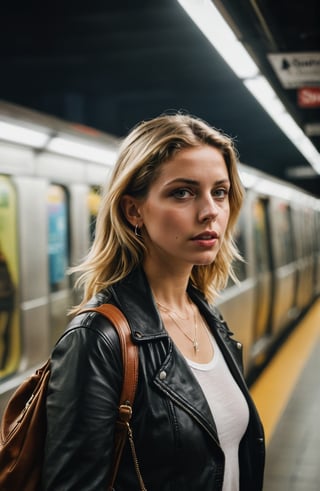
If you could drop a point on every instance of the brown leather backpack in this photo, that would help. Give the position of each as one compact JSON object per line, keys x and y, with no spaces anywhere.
{"x":23,"y":425}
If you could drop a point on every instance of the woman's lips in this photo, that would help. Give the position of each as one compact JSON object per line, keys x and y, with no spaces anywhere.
{"x":207,"y":239}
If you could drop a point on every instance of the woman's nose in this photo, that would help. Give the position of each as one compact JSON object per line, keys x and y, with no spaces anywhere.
{"x":208,"y":210}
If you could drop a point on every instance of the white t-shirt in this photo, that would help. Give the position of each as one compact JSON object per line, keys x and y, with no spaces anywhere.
{"x":229,"y":409}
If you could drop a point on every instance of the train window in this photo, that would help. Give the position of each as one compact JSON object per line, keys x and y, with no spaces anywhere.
{"x":239,"y":266}
{"x":297,"y":219}
{"x":58,"y":240}
{"x":260,"y":229}
{"x":284,"y":238}
{"x":308,"y":232}
{"x":94,"y":199}
{"x":10,"y":337}
{"x":239,"y":237}
{"x":316,"y":235}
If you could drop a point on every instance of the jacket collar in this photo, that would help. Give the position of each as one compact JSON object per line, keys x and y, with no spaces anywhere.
{"x":133,"y":295}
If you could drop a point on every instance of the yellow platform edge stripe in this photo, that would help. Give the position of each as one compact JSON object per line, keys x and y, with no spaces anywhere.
{"x":271,"y":392}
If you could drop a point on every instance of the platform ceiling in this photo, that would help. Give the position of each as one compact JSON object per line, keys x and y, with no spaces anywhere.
{"x":109,"y":64}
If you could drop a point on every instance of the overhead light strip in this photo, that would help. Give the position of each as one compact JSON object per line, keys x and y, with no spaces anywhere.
{"x":81,"y":150}
{"x":42,"y":140}
{"x":209,"y":20}
{"x":25,"y":136}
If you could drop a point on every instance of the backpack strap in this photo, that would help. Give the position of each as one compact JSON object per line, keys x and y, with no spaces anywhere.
{"x":130,"y":361}
{"x":129,"y":351}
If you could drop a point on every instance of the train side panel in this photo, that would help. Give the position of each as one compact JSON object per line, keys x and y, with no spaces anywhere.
{"x":48,"y":206}
{"x":33,"y":285}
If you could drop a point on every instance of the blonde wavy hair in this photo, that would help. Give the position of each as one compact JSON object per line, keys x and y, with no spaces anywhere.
{"x":116,"y":250}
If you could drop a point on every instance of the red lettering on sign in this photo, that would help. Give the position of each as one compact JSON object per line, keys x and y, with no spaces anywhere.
{"x":309,"y":97}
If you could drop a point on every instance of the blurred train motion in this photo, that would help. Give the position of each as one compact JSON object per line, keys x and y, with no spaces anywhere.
{"x":51,"y":173}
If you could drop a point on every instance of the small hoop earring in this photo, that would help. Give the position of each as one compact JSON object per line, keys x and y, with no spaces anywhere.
{"x":136,"y":231}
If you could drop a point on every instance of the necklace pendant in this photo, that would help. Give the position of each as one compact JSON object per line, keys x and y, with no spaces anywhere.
{"x":195,"y":346}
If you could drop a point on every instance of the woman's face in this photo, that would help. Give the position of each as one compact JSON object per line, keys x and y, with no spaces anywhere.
{"x":184,"y":217}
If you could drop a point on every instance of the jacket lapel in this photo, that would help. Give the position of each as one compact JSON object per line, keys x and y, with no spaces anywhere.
{"x":173,"y":375}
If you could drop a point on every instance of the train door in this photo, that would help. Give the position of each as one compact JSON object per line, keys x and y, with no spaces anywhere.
{"x":58,"y":258}
{"x":283,"y":310}
{"x":316,"y":244}
{"x":304,"y":256}
{"x":264,"y":280}
{"x":84,"y":204}
{"x":308,"y":236}
{"x":236,"y":302}
{"x":10,"y":334}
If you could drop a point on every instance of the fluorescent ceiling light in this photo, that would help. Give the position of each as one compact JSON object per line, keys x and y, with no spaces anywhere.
{"x":266,"y":96}
{"x":301,"y":172}
{"x":290,"y":128}
{"x":83,"y":151}
{"x":24,"y":136}
{"x":273,"y":188}
{"x":207,"y":17}
{"x":263,"y":92}
{"x":310,"y":152}
{"x":248,"y":180}
{"x":312,"y":129}
{"x":218,"y":32}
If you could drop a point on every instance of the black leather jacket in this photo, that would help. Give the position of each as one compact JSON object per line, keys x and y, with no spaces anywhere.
{"x":174,"y":431}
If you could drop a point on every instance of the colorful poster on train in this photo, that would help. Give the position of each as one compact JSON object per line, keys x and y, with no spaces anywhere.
{"x":58,"y":234}
{"x":9,"y":277}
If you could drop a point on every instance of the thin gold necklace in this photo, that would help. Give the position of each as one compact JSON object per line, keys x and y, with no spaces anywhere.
{"x":167,"y":311}
{"x":171,"y":314}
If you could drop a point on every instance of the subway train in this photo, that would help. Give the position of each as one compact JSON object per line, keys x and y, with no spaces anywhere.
{"x":51,"y":174}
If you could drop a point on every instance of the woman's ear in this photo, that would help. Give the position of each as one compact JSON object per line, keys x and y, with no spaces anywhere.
{"x":130,"y":207}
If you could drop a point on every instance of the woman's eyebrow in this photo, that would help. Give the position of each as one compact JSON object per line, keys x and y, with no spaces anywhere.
{"x":183,"y":180}
{"x":193,"y":182}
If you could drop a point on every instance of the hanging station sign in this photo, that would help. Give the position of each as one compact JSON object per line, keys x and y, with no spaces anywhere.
{"x":296,"y":70}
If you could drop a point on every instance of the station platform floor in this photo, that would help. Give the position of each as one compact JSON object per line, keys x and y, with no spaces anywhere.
{"x":287,"y":395}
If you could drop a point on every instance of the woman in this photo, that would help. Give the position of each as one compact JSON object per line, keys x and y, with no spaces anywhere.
{"x":163,"y":249}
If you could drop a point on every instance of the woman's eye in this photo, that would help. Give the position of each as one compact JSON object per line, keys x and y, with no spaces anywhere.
{"x":221,"y":193}
{"x":182,"y":193}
